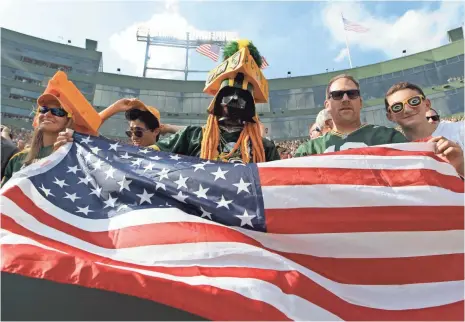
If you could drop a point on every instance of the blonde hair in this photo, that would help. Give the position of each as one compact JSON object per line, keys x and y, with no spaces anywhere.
{"x":250,"y":133}
{"x":37,"y":142}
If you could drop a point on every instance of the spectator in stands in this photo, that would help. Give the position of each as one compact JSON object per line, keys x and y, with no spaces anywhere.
{"x":144,"y":127}
{"x":324,"y":121}
{"x":52,"y":119}
{"x":264,"y":131}
{"x":21,"y":145}
{"x":432,"y":116}
{"x":232,"y":132}
{"x":283,"y":152}
{"x":8,"y":148}
{"x":6,"y":133}
{"x":343,"y":102}
{"x":144,"y":123}
{"x":407,"y":105}
{"x":267,"y":135}
{"x":314,"y":131}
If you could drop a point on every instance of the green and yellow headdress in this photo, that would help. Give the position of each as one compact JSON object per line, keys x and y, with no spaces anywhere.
{"x":240,"y":69}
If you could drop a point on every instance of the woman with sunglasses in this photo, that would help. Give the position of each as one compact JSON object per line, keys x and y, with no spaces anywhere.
{"x":50,"y":120}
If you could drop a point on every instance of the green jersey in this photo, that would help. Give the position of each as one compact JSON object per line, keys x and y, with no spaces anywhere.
{"x":188,"y":142}
{"x":16,"y":162}
{"x":367,"y":135}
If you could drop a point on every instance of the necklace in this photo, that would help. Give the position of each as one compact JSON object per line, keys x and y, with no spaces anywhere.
{"x":345,"y":135}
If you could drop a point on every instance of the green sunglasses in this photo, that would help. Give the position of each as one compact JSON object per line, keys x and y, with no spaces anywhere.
{"x":412,"y":101}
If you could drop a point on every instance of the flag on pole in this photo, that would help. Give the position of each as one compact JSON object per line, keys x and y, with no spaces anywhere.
{"x":352,"y":26}
{"x":364,"y":234}
{"x":212,"y":51}
{"x":264,"y":63}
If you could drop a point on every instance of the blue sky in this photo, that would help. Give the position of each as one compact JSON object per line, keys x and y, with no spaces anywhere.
{"x":302,"y":37}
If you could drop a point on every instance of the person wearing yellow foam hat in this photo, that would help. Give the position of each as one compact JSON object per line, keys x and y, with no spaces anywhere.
{"x":232,"y":132}
{"x":51,"y":118}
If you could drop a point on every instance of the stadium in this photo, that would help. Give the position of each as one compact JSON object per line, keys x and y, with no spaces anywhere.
{"x":376,"y":234}
{"x":29,"y":62}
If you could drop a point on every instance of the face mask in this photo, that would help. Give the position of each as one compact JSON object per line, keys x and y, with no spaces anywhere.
{"x":235,"y":107}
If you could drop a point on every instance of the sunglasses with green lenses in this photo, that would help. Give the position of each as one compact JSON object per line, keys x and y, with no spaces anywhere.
{"x":413,"y":101}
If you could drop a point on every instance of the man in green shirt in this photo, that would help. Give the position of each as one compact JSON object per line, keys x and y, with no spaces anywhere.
{"x":16,"y":162}
{"x":188,"y":142}
{"x":344,"y":103}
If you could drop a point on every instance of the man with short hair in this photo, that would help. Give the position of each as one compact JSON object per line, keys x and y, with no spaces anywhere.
{"x":432,"y":116}
{"x":344,"y":103}
{"x":407,"y":105}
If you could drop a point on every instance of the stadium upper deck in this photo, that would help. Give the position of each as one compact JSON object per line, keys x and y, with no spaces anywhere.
{"x":29,"y":62}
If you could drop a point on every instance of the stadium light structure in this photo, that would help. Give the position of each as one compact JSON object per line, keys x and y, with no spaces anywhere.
{"x":188,"y":40}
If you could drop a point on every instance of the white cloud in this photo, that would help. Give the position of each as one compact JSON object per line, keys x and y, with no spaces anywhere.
{"x":168,"y":23}
{"x":414,"y":31}
{"x":342,"y":54}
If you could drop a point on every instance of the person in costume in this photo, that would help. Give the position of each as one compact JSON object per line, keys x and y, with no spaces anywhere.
{"x":344,"y":103}
{"x":232,"y":132}
{"x":50,"y":120}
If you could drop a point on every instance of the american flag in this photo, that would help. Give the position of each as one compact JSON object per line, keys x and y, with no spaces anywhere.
{"x":363,"y":234}
{"x":264,"y":63}
{"x":352,"y":26}
{"x":210,"y":50}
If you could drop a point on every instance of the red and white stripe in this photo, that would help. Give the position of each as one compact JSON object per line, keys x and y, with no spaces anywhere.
{"x":209,"y":50}
{"x":352,"y":26}
{"x":364,"y":234}
{"x":264,"y":63}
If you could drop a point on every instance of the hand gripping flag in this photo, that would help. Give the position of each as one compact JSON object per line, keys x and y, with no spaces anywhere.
{"x":363,"y":234}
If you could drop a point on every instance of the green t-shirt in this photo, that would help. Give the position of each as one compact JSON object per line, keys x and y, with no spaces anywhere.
{"x":188,"y":142}
{"x":16,"y":162}
{"x":367,"y":135}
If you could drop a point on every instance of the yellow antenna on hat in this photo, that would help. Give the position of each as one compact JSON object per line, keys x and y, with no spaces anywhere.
{"x":243,"y":43}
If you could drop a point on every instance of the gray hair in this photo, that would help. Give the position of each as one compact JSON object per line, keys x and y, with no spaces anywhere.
{"x":322,"y":117}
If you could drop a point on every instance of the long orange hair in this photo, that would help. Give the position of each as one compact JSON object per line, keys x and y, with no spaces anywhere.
{"x":251,"y":132}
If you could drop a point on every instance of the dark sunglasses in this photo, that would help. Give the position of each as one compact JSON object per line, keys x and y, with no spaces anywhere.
{"x":413,"y":101}
{"x":56,"y":111}
{"x":138,"y":132}
{"x":351,"y":94}
{"x":434,"y":118}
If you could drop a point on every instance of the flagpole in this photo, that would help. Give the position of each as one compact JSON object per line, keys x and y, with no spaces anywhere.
{"x":347,"y":42}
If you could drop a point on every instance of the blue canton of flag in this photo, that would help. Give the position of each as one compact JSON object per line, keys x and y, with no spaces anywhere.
{"x":98,"y":179}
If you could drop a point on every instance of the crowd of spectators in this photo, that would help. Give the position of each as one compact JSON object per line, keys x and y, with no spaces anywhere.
{"x":286,"y":148}
{"x":456,"y":79}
